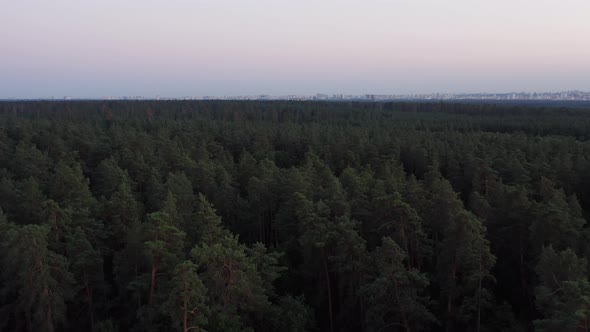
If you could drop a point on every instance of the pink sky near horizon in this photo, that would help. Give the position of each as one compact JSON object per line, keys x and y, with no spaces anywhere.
{"x":231,"y":47}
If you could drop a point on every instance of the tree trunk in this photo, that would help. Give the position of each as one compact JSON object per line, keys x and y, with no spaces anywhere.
{"x":153,"y":284}
{"x":49,"y":314}
{"x":450,"y":299}
{"x":138,"y":295}
{"x":28,"y":323}
{"x":479,"y":296}
{"x":418,"y":259}
{"x":523,"y":276}
{"x":405,"y":321}
{"x":261,"y":228}
{"x":329,"y":293}
{"x":50,"y":327}
{"x":185,"y":318}
{"x":361,"y":314}
{"x":449,"y":311}
{"x":226,"y":298}
{"x":90,"y":305}
{"x":407,"y":246}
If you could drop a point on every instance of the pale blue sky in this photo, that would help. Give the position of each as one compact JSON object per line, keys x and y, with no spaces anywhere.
{"x":237,"y":47}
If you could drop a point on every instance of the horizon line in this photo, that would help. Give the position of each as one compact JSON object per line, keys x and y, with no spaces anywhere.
{"x":564,"y":95}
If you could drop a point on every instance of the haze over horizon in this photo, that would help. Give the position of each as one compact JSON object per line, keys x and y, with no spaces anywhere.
{"x":230,"y":47}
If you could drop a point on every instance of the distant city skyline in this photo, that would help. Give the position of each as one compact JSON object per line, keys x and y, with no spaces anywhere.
{"x":184,"y":48}
{"x":572,"y":95}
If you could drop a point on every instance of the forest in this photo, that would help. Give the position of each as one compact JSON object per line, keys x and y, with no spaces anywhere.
{"x":293,"y":216}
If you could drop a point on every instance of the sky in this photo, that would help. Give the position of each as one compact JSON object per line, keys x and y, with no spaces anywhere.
{"x":176,"y":48}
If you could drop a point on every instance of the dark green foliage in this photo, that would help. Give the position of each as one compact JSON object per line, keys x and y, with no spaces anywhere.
{"x":563,"y":294}
{"x":86,"y":265}
{"x":37,"y":281}
{"x":187,"y":300}
{"x":293,"y":216}
{"x":397,"y":286}
{"x":109,"y":176}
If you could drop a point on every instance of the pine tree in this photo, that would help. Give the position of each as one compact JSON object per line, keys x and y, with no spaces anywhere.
{"x":29,"y":161}
{"x":563,"y":294}
{"x":401,"y":222}
{"x":332,"y":248}
{"x":292,"y":315}
{"x":86,"y":265}
{"x":60,"y":222}
{"x":396,"y":295}
{"x":70,"y":188}
{"x":38,"y":278}
{"x":238,"y":279}
{"x":181,"y":188}
{"x":31,"y":200}
{"x":163,"y":247}
{"x":108,"y":177}
{"x":208,"y":222}
{"x":556,"y":221}
{"x":463,"y":265}
{"x":187,"y":298}
{"x":461,"y":251}
{"x":121,"y":212}
{"x":236,"y":291}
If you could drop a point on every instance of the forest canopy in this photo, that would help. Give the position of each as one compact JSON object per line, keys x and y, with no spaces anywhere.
{"x":293,"y":216}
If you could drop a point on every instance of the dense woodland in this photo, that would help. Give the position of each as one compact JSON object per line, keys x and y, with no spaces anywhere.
{"x":293,"y":216}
